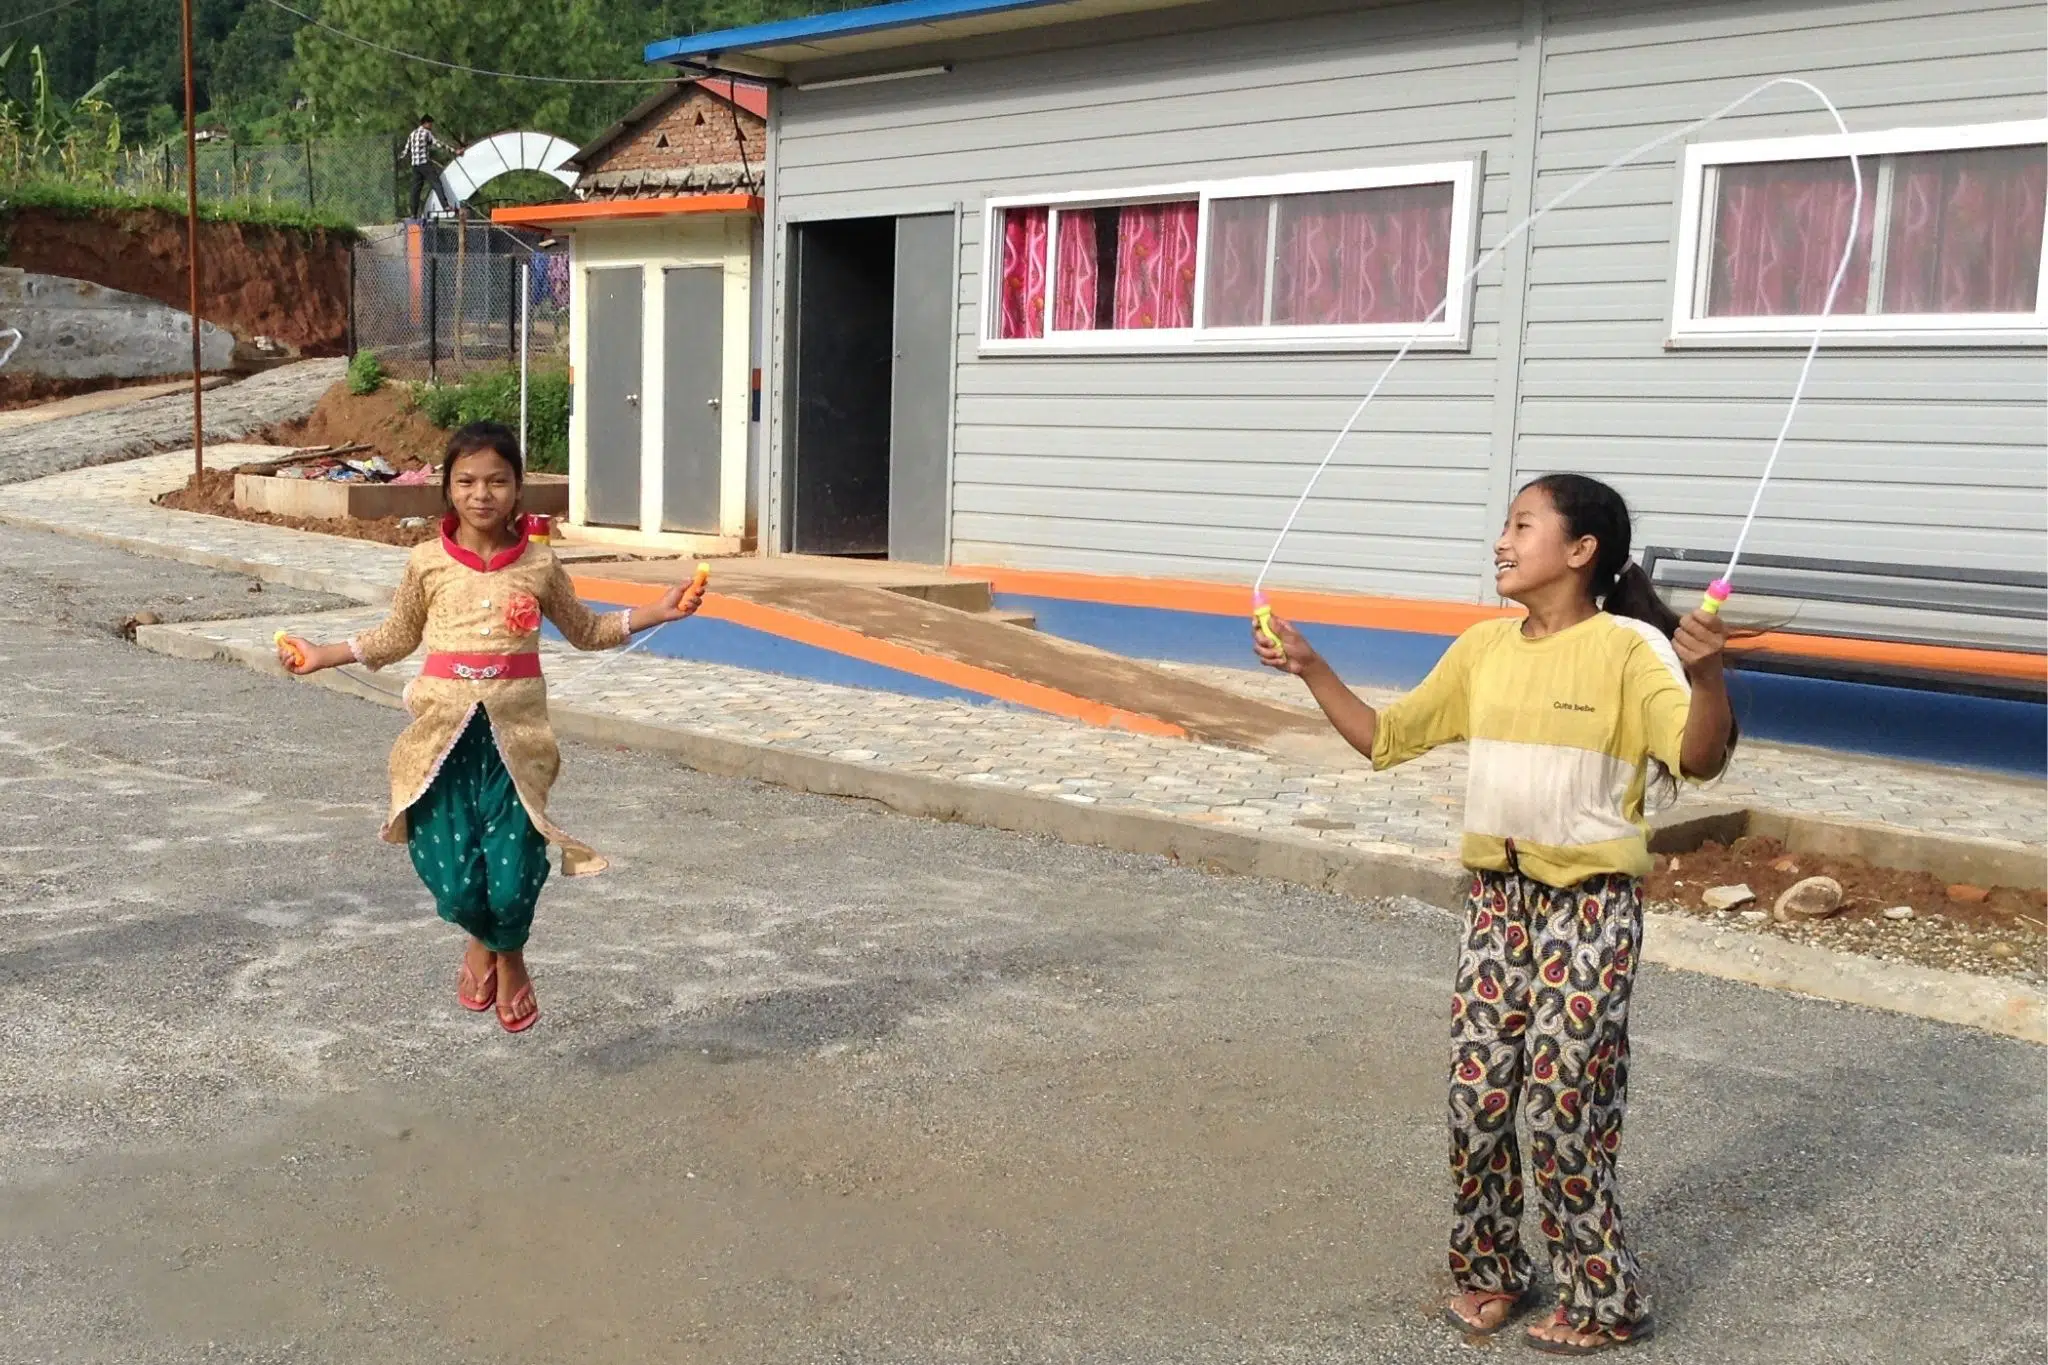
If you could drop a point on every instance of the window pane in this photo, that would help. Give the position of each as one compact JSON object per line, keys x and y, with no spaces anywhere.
{"x":1362,"y":256}
{"x":1130,"y":267}
{"x":1779,"y":228}
{"x":1965,"y":232}
{"x":1238,"y":253}
{"x":1077,"y":296}
{"x":1020,"y":294}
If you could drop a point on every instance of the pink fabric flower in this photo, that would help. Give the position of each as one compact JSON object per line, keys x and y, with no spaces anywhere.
{"x":522,"y":613}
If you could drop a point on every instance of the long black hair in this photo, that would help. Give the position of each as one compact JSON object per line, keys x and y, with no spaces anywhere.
{"x":1589,"y":507}
{"x":476,"y":438}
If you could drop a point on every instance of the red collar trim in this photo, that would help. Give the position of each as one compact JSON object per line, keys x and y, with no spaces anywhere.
{"x":471,"y":561}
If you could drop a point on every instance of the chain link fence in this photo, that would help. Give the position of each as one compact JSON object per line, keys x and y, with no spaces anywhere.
{"x":351,"y":178}
{"x":440,"y":310}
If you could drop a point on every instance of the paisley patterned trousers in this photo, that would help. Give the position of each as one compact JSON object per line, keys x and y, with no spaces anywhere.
{"x":1540,"y":1022}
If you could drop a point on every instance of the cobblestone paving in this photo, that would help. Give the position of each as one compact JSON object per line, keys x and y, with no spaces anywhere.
{"x":124,"y":433}
{"x":112,"y":502}
{"x":1416,"y":807}
{"x":1809,"y":781}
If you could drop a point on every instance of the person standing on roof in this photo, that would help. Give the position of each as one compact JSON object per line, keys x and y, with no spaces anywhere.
{"x":419,"y":154}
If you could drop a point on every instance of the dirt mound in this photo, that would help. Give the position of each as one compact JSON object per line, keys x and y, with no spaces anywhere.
{"x":287,"y":284}
{"x":385,"y":421}
{"x":214,"y":494}
{"x":34,"y":390}
{"x":1867,"y":891}
{"x":1988,"y":931}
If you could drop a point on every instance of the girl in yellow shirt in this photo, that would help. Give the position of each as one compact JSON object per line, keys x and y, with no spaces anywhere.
{"x":1571,"y":713}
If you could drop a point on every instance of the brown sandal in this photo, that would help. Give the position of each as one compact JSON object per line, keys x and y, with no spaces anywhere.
{"x":1518,"y":1304}
{"x":1610,"y":1338}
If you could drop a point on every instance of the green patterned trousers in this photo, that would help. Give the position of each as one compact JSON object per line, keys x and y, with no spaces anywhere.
{"x":474,"y":845}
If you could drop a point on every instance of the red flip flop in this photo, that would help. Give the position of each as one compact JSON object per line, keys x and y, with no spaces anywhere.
{"x":486,"y":990}
{"x":521,"y":1024}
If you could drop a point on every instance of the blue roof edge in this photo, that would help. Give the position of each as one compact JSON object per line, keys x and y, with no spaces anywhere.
{"x":873,"y":19}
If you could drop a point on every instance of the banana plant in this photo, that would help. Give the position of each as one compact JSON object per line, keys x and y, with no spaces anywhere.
{"x":51,"y":131}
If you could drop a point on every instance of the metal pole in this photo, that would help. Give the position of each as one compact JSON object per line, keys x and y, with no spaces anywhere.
{"x":525,"y":331}
{"x":192,"y":246}
{"x":312,"y":200}
{"x":433,"y":315}
{"x":461,"y":269}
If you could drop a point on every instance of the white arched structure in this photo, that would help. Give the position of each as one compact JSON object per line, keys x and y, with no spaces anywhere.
{"x":483,"y":162}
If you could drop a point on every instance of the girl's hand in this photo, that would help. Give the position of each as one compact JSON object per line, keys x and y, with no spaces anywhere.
{"x":1699,"y":640}
{"x":679,"y":603}
{"x":301,"y":657}
{"x":1293,"y":654}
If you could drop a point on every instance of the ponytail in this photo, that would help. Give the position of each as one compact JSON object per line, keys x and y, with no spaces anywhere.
{"x":1634,"y":595}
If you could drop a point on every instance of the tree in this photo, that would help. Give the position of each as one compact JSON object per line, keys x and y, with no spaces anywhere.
{"x":351,"y":84}
{"x":254,"y":62}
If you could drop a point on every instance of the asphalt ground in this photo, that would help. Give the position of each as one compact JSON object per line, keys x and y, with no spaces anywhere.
{"x":815,"y":1082}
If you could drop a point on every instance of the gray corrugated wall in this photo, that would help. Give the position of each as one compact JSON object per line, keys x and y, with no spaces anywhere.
{"x":1185,"y":465}
{"x":1928,"y":456}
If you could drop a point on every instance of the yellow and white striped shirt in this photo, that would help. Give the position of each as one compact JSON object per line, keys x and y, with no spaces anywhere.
{"x":1562,"y":730}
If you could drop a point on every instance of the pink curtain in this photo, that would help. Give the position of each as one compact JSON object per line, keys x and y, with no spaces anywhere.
{"x":1362,"y":256}
{"x":1155,"y":265}
{"x":1778,"y":233}
{"x":1021,"y":297}
{"x":1080,"y":274}
{"x":1150,"y":270}
{"x":1966,"y":231}
{"x":1238,"y":251}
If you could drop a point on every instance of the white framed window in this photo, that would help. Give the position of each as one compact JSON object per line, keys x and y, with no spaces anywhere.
{"x":1949,"y":249}
{"x":1361,"y":259}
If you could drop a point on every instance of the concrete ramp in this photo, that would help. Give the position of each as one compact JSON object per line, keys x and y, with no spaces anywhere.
{"x":929,"y":624}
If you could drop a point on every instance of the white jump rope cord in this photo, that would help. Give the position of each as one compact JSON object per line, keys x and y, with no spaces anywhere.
{"x":1841,"y":271}
{"x":362,"y":676}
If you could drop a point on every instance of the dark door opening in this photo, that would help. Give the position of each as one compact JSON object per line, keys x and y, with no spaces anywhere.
{"x":836,"y":498}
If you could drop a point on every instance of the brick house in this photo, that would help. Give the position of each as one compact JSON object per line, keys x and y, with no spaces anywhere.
{"x":696,"y":137}
{"x":665,"y":241}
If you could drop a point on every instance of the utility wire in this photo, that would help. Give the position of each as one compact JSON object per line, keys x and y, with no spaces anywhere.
{"x":31,"y":18}
{"x":457,"y":66}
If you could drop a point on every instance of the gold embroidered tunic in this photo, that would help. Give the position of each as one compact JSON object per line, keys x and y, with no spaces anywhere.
{"x":460,"y":606}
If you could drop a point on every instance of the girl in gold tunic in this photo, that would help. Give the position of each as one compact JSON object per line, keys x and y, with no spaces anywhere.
{"x":470,"y":775}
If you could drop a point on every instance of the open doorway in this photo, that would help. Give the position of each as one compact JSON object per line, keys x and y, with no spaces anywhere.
{"x":843,"y":331}
{"x":871,"y":339}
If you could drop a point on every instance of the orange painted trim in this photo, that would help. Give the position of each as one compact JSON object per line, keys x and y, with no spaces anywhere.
{"x":1955,"y":659}
{"x":1454,"y":618}
{"x":568,"y":215}
{"x":1224,"y":599}
{"x":888,"y":654}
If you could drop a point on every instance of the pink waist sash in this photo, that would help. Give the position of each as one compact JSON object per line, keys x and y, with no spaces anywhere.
{"x":482,"y":667}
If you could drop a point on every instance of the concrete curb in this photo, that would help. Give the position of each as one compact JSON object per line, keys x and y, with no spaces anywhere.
{"x":2006,"y":1008}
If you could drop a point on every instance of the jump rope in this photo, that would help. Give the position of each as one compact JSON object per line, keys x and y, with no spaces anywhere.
{"x":1718,"y":591}
{"x":296,"y":657}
